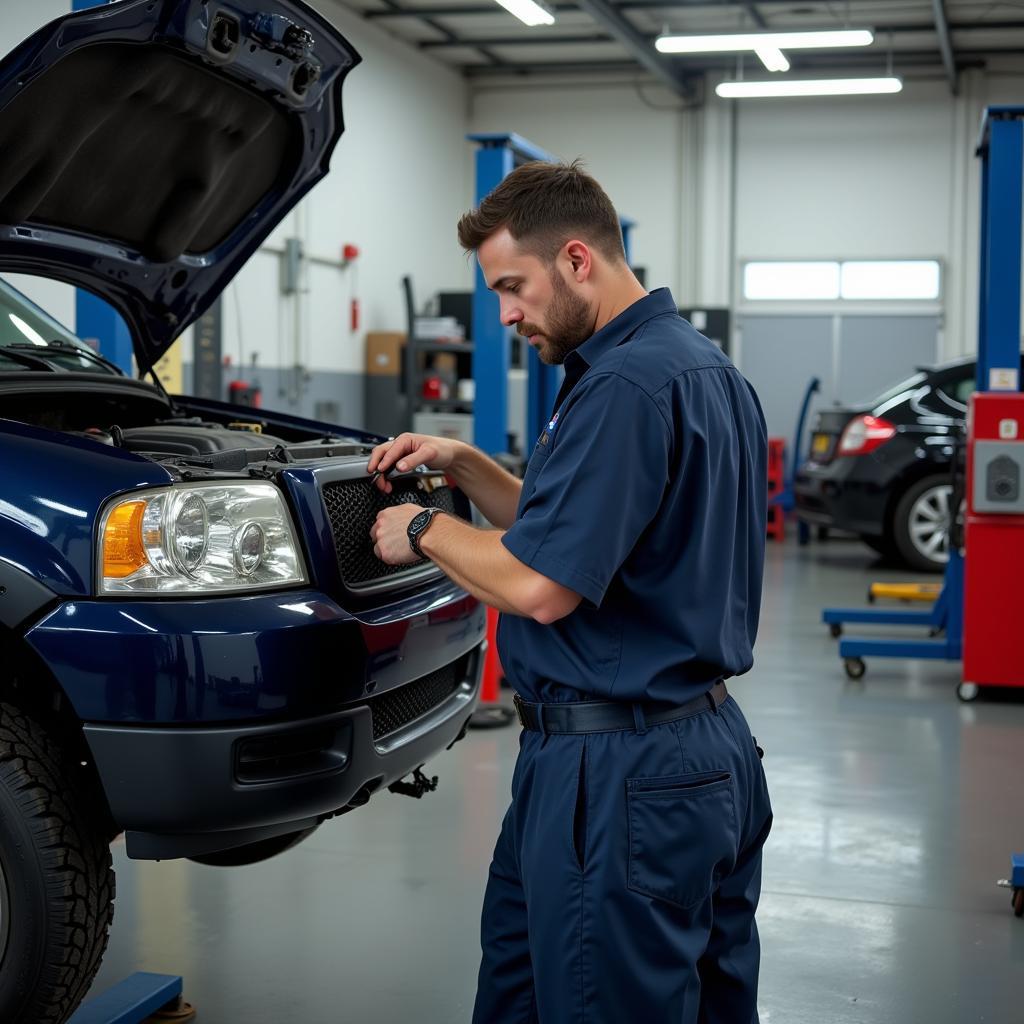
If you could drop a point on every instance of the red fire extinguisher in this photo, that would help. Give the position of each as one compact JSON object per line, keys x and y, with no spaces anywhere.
{"x":349,"y":253}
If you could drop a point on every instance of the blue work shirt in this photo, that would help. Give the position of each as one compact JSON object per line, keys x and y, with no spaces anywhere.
{"x":647,"y":495}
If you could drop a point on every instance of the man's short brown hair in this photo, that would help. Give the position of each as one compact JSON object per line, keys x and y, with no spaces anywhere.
{"x":544,"y":205}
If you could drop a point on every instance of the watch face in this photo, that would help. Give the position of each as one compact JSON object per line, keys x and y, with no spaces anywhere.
{"x":417,"y":525}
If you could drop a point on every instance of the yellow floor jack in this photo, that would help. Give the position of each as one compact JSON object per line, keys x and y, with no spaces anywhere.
{"x":904,"y":591}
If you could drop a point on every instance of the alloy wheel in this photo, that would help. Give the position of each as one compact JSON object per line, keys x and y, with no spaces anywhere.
{"x":929,"y":523}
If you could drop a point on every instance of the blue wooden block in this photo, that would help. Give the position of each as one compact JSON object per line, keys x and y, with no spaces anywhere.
{"x":130,"y":1001}
{"x":1017,"y":874}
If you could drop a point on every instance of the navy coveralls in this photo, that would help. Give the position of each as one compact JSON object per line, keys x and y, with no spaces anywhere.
{"x":625,"y":879}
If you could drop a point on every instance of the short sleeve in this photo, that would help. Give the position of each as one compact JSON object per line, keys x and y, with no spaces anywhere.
{"x":599,"y":487}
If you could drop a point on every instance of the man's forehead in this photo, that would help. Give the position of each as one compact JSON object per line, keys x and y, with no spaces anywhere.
{"x":500,"y":257}
{"x":500,"y":246}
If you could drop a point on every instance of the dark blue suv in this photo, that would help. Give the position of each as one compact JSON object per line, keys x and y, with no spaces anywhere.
{"x":199,"y":647}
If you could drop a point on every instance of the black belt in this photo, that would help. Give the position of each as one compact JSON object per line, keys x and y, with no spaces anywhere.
{"x":612,"y":716}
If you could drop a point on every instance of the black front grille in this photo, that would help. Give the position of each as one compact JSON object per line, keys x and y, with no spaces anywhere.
{"x":399,"y":707}
{"x":353,"y":505}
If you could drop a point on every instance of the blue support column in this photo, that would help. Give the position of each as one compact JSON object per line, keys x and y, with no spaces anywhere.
{"x":499,"y":155}
{"x":1002,"y":150}
{"x":95,"y":321}
{"x":491,"y":344}
{"x":542,"y":384}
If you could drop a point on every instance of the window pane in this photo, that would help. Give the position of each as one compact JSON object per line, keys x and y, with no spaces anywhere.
{"x":890,"y":279}
{"x":791,"y":281}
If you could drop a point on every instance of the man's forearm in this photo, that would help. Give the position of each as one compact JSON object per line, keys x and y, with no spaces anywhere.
{"x":493,"y":490}
{"x":479,"y":563}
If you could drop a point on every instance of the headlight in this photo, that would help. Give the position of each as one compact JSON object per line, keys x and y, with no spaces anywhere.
{"x":202,"y":538}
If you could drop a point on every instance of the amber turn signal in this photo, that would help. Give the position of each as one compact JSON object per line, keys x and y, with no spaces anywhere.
{"x":123,"y":551}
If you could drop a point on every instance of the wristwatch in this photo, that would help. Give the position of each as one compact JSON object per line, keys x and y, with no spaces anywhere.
{"x":418,"y":526}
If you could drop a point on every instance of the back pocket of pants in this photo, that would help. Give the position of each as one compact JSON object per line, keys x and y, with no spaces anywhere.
{"x":682,"y":835}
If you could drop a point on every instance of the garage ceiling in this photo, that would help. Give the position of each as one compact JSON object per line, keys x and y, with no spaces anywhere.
{"x":481,"y":39}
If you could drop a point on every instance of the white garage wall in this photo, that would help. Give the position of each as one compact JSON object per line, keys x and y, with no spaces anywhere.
{"x":879,"y":177}
{"x":633,"y":149}
{"x":400,"y":177}
{"x":848,"y":178}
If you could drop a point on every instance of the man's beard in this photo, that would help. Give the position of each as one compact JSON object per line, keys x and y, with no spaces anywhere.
{"x":569,"y":323}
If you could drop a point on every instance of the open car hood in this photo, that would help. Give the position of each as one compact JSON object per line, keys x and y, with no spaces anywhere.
{"x":150,"y":146}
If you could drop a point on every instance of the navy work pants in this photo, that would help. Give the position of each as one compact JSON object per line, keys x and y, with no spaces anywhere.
{"x":625,"y":879}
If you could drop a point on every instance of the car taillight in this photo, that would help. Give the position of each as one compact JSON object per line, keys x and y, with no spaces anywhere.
{"x":865,"y":434}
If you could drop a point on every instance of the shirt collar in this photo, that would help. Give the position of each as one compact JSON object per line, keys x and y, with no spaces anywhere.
{"x":618,"y":329}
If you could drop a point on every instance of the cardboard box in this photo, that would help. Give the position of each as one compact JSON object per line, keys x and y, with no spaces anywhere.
{"x":384,"y":353}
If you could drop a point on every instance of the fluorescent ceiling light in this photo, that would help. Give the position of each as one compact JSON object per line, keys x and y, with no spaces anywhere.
{"x":757,"y":40}
{"x":528,"y":12}
{"x":810,"y":87}
{"x":772,"y":58}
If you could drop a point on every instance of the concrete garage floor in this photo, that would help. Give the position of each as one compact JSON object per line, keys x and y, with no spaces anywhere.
{"x":896,"y":810}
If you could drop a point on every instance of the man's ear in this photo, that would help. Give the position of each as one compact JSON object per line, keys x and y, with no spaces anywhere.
{"x":580,"y":259}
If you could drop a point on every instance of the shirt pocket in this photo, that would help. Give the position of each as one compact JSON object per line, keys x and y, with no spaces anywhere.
{"x":541,"y":451}
{"x":683,"y":837}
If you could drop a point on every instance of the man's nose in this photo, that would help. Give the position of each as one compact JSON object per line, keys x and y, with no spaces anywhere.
{"x":510,"y":315}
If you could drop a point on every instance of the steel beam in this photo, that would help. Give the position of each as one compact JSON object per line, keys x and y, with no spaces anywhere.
{"x":443,"y":10}
{"x":545,"y":40}
{"x":755,"y":15}
{"x":450,"y":37}
{"x":945,"y":43}
{"x":606,"y":14}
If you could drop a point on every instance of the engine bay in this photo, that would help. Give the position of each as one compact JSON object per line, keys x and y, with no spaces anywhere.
{"x":138,"y":418}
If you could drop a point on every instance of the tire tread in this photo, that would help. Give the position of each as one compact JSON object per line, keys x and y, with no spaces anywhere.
{"x":76,"y":858}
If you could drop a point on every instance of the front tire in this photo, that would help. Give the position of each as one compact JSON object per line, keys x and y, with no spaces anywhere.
{"x":921,"y":524}
{"x":56,"y":878}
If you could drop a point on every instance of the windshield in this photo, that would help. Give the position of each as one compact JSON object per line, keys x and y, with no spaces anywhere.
{"x":25,"y":329}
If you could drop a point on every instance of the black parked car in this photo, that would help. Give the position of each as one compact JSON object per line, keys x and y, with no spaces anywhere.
{"x":883,"y":470}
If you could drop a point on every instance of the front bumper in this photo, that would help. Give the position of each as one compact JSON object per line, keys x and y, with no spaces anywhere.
{"x":212,"y":721}
{"x":183,"y":792}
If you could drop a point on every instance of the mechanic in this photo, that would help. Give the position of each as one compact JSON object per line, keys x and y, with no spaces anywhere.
{"x":628,"y":566}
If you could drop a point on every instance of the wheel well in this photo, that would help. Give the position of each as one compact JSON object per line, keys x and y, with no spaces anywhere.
{"x":28,"y":684}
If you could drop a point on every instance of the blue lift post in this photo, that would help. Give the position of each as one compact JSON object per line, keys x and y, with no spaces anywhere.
{"x":1002,"y":154}
{"x":499,"y":154}
{"x":133,"y":1000}
{"x":786,"y":498}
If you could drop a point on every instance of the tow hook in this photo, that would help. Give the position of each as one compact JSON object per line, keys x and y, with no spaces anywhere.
{"x":420,"y":784}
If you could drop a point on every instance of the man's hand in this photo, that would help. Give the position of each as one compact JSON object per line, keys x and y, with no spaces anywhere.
{"x":390,"y":536}
{"x":409,"y":451}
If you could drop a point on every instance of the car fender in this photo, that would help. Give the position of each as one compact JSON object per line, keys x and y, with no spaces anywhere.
{"x":55,"y":486}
